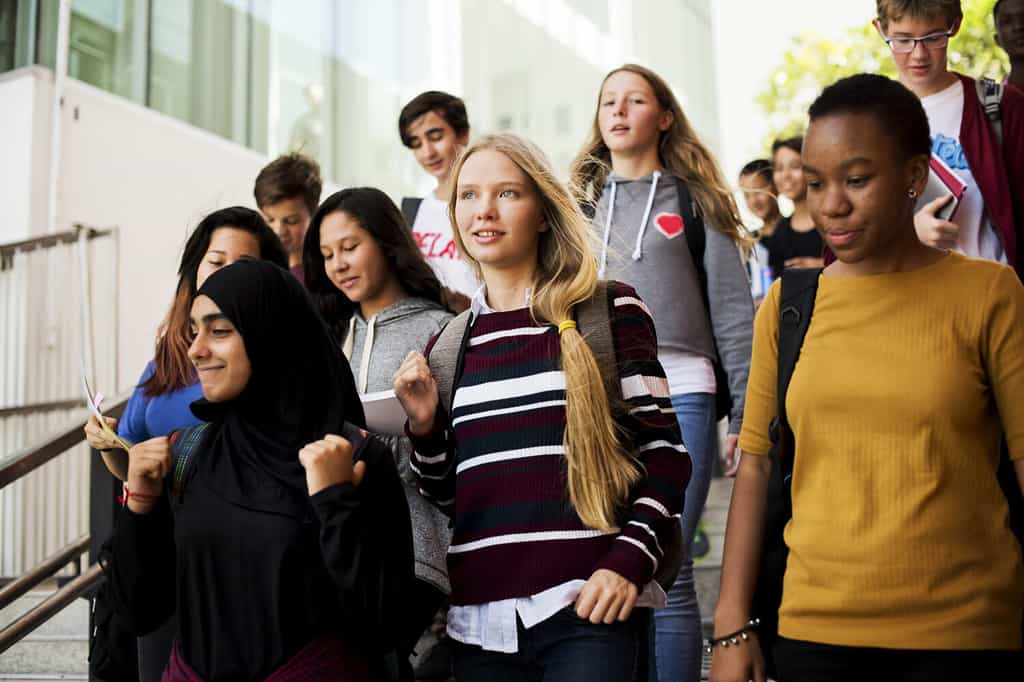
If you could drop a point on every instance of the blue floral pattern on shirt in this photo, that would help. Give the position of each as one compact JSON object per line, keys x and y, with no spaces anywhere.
{"x":949,"y":150}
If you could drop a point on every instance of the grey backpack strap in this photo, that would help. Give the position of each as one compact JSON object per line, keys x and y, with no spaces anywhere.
{"x":594,"y":319}
{"x":446,"y":356}
{"x":990,"y":93}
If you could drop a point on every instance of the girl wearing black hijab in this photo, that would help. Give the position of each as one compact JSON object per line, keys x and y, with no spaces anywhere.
{"x":289,"y":546}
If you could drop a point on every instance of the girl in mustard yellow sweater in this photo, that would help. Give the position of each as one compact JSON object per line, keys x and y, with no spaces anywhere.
{"x":902,"y":564}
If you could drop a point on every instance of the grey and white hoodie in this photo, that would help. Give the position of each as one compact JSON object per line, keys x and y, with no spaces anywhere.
{"x":644,"y":244}
{"x":375,"y":349}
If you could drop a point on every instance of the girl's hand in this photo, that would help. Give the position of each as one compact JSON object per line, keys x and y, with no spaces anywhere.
{"x":329,"y":462}
{"x":415,"y":389}
{"x":606,"y":597}
{"x":148,"y":465}
{"x":739,"y":663}
{"x":933,"y":230}
{"x":732,"y":455}
{"x":97,"y":437}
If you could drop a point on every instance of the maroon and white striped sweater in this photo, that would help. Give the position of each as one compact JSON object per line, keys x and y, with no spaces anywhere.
{"x":497,"y":464}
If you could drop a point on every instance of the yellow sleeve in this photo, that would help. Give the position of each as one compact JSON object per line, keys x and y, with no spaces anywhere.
{"x":759,"y":408}
{"x":1003,"y":355}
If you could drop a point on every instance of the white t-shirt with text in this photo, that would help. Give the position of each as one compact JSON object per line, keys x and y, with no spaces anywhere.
{"x":945,"y":112}
{"x":433,"y":234}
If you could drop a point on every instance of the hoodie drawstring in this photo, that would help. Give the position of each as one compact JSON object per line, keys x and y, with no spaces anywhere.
{"x":364,"y":360}
{"x":638,"y":250}
{"x":350,"y":338}
{"x":607,"y":232}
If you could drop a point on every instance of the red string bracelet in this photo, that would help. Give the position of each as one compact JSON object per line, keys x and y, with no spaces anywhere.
{"x":128,"y":494}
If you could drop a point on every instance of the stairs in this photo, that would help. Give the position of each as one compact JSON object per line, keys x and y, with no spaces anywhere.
{"x":708,"y":573}
{"x":56,"y":651}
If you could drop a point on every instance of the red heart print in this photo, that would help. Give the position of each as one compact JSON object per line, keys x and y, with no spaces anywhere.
{"x":669,"y":224}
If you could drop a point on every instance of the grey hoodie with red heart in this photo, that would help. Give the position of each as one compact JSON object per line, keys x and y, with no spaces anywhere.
{"x":644,"y":244}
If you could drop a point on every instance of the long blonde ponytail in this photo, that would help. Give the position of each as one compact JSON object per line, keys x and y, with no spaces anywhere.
{"x":601,"y":472}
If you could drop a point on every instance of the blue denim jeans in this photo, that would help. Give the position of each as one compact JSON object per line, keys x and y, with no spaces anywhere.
{"x":563,"y":648}
{"x":677,"y":641}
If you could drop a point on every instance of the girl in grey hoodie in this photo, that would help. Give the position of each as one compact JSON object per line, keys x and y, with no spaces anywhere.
{"x":381,"y":300}
{"x":669,"y":226}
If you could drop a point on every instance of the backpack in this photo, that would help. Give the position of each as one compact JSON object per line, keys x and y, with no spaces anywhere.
{"x":990,"y":93}
{"x":796,"y":306}
{"x":411,"y":207}
{"x":594,"y":320}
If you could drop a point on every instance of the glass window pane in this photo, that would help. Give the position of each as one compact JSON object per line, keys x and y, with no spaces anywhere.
{"x":199,"y":69}
{"x":8,"y":24}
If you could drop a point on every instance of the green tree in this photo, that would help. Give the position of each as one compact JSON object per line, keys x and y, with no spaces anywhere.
{"x":813,"y":62}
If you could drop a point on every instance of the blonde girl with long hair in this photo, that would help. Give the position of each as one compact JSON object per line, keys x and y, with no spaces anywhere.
{"x":668,"y":225}
{"x":561,"y":501}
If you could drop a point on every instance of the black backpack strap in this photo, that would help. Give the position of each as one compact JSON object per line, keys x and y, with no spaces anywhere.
{"x":693,"y":230}
{"x":796,"y":306}
{"x":410,"y":207}
{"x":696,"y":238}
{"x":184,"y":445}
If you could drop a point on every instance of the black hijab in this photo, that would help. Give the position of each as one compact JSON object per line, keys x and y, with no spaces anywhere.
{"x":299,"y":390}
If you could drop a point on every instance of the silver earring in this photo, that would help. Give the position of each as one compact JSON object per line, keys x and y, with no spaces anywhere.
{"x":912,"y":193}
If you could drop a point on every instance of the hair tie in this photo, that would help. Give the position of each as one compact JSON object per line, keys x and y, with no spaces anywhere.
{"x":566,"y":324}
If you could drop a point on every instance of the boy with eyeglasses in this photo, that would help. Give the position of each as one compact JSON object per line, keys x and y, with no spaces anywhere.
{"x":992,"y":209}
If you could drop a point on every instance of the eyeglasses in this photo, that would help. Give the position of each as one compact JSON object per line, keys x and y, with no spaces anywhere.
{"x":932,"y":41}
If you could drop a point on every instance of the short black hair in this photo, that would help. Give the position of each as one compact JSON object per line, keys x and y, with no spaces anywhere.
{"x":758,"y":167}
{"x":995,"y":12}
{"x":795,"y":143}
{"x":286,"y":177}
{"x":449,"y":107}
{"x":898,"y":110}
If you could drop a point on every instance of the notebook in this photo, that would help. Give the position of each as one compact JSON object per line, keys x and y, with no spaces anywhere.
{"x":942,"y":181}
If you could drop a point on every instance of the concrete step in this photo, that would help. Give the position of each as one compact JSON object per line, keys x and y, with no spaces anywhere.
{"x":57,"y":650}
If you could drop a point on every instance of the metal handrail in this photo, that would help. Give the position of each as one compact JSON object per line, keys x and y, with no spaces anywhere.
{"x":36,"y":408}
{"x":44,"y":570}
{"x":34,"y":456}
{"x":49,"y":607}
{"x":8,"y":250}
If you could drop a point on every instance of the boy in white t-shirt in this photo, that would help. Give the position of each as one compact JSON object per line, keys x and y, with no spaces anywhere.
{"x":985,"y":223}
{"x":435,"y":127}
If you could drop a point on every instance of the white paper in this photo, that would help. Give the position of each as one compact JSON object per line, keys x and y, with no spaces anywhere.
{"x":384,"y":414}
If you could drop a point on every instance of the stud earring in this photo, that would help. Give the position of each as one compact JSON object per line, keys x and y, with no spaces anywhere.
{"x":912,"y":193}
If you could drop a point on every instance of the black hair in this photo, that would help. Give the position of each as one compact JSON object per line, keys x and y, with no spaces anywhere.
{"x":795,"y":144}
{"x":449,"y":107}
{"x":378,"y":215}
{"x":762,"y":167}
{"x":898,"y":111}
{"x":172,"y":369}
{"x":995,"y":12}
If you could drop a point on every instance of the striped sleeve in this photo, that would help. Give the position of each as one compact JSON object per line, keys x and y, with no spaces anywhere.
{"x":650,"y":423}
{"x":433,"y":459}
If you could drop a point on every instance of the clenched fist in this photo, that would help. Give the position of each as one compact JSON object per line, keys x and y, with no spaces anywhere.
{"x":329,"y":462}
{"x":416,"y":390}
{"x":148,"y":465}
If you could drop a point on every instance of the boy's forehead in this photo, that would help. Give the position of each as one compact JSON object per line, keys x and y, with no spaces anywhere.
{"x":431,"y":120}
{"x":911,"y":24}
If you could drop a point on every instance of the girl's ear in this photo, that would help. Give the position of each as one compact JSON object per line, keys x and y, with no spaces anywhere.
{"x":666,"y":120}
{"x":917,"y":173}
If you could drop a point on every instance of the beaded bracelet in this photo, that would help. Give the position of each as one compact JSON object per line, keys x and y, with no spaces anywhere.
{"x":733,"y":638}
